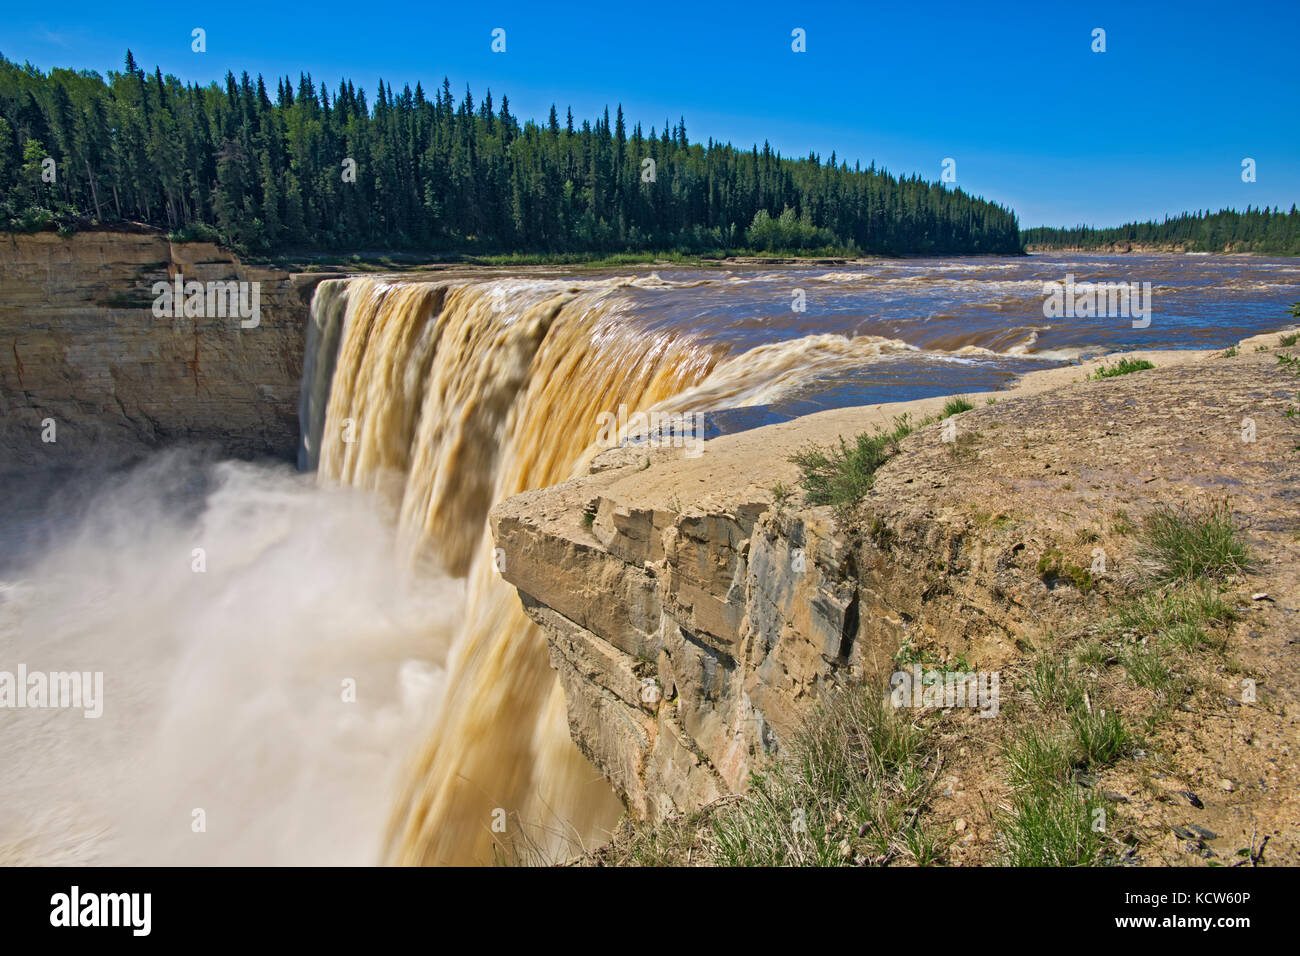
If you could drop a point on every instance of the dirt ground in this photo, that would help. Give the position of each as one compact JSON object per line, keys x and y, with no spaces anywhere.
{"x":1076,"y":468}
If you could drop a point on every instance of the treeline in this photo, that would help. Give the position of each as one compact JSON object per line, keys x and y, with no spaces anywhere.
{"x":1255,"y":230}
{"x":301,"y":168}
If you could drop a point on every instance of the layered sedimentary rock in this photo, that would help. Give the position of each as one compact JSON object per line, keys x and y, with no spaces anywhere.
{"x":692,"y":616}
{"x":690,"y":635}
{"x":681,"y":640}
{"x":80,"y":345}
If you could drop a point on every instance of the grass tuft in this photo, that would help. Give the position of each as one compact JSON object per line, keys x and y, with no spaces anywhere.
{"x":955,"y":406}
{"x":1123,"y":367}
{"x":850,"y":790}
{"x":842,"y":476}
{"x":1180,"y":544}
{"x":1054,"y":684}
{"x":1147,"y":668}
{"x":1098,"y":737}
{"x":1050,"y":819}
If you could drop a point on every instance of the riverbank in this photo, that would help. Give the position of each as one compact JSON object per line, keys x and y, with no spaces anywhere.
{"x":697,"y":610}
{"x":1125,"y":247}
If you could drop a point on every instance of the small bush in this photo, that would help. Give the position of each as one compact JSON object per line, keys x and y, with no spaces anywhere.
{"x":955,"y":406}
{"x":842,"y":476}
{"x":781,"y":493}
{"x":1123,"y":367}
{"x":195,"y":232}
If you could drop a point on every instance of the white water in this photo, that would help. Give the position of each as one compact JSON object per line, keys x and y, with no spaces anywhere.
{"x":223,"y":690}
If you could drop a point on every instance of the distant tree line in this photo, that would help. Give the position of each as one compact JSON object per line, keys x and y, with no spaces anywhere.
{"x":1255,"y":230}
{"x":306,"y":169}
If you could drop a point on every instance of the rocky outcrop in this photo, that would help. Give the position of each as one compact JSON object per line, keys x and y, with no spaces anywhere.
{"x":692,"y":616}
{"x":80,"y":345}
{"x":690,"y":635}
{"x":690,"y":638}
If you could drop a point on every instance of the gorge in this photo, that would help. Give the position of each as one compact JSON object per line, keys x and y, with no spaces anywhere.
{"x":548,"y":577}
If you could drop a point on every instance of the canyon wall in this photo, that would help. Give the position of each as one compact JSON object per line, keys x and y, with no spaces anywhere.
{"x":692,"y":627}
{"x":80,"y":344}
{"x":694,"y":608}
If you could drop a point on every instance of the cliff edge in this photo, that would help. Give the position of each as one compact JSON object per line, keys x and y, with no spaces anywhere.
{"x":695,"y":609}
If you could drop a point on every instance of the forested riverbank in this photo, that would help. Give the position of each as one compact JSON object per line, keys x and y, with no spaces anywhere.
{"x":1271,"y":231}
{"x":307,"y":168}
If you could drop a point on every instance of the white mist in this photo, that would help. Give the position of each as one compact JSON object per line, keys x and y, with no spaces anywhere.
{"x":223,"y":689}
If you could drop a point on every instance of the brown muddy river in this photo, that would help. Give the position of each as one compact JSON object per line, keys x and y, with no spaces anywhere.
{"x":951,"y":325}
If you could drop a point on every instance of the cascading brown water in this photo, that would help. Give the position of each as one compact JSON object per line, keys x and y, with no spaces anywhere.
{"x":232,"y":690}
{"x":449,"y":397}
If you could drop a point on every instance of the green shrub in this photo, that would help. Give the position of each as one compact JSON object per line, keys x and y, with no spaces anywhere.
{"x":195,"y":232}
{"x":955,"y":406}
{"x":842,"y":476}
{"x":1123,"y":367}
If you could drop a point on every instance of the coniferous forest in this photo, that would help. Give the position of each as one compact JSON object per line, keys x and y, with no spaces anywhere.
{"x":1255,"y":230}
{"x":302,"y":168}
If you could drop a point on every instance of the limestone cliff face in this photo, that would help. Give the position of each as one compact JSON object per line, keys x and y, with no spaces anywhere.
{"x":689,"y":639}
{"x":691,"y":617}
{"x":683,"y":641}
{"x":79,"y":344}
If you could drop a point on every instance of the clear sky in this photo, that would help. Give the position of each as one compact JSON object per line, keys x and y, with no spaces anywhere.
{"x":1157,"y":124}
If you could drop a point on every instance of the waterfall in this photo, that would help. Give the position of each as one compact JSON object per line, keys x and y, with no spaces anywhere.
{"x":447,"y":397}
{"x":324,"y":325}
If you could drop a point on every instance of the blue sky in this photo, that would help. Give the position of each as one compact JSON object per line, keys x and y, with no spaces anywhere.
{"x":1157,"y":124}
